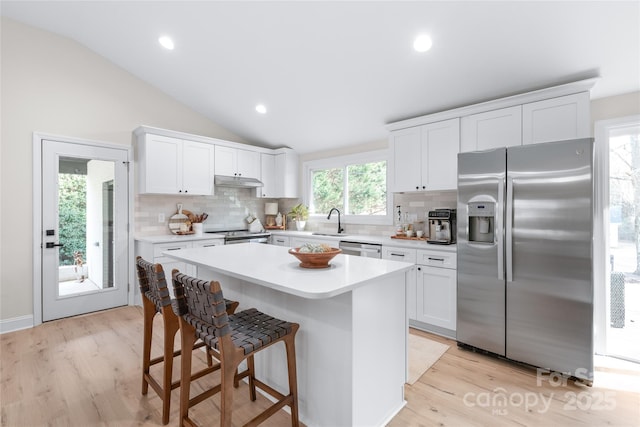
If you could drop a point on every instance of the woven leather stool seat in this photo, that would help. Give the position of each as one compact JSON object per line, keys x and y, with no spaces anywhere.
{"x":232,"y":339}
{"x":251,"y":328}
{"x":156,"y":299}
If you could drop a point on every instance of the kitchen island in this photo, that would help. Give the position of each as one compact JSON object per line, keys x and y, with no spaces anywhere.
{"x":351,"y":349}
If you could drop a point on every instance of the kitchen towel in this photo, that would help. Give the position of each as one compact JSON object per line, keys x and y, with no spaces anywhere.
{"x":423,"y":353}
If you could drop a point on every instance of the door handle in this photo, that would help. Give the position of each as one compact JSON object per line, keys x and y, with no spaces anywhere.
{"x":51,"y":245}
{"x":509,"y":231}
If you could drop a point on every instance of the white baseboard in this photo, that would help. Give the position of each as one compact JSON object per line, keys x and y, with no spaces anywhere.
{"x":16,"y":324}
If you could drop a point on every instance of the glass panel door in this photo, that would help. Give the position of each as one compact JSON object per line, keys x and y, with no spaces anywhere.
{"x":623,"y":293}
{"x":84,"y":229}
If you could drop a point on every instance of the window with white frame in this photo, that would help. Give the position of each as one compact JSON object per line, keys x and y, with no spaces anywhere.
{"x":355,"y":184}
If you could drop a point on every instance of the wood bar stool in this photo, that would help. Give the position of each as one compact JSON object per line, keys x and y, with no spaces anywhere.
{"x":231,"y":339}
{"x":156,"y":299}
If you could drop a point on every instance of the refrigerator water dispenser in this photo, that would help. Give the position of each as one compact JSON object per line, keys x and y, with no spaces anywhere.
{"x":482,"y":222}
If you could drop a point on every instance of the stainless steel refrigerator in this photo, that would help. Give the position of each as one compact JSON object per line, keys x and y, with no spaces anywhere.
{"x":525,"y":232}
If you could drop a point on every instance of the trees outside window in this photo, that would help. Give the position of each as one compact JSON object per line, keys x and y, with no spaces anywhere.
{"x":72,"y":217}
{"x":355,"y":184}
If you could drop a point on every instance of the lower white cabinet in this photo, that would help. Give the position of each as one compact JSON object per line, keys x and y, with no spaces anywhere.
{"x":153,"y":252}
{"x":436,"y":297}
{"x":407,"y":255}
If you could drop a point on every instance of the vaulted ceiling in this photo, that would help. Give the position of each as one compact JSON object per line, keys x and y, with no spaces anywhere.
{"x":334,"y":73}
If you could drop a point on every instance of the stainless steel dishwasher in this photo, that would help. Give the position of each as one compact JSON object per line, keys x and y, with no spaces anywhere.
{"x":368,"y":250}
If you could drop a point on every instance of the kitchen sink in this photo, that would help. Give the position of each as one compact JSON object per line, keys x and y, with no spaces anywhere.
{"x":329,"y":234}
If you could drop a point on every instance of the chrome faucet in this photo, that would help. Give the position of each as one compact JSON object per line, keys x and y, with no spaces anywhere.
{"x":340,"y":229}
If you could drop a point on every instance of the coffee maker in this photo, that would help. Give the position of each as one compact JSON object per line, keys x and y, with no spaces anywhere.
{"x":442,"y":226}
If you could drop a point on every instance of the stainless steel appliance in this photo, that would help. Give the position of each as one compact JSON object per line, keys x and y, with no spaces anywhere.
{"x":243,"y":236}
{"x":442,"y":226}
{"x":368,"y":250}
{"x":525,"y":228}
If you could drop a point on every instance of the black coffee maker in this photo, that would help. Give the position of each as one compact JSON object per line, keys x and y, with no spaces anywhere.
{"x":442,"y":227}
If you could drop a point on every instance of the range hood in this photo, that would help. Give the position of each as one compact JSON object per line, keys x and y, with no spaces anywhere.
{"x":237,"y":181}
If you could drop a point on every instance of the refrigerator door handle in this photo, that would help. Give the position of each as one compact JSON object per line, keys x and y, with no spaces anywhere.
{"x":499,"y":229}
{"x":509,"y":230}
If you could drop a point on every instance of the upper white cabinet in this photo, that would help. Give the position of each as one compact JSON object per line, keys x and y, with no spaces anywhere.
{"x":405,"y":149}
{"x":553,"y":114}
{"x":492,"y":129}
{"x":423,"y":155}
{"x":556,"y":119}
{"x":170,"y":162}
{"x":174,"y":166}
{"x":267,"y":175}
{"x":286,"y":173}
{"x":237,"y":162}
{"x":279,"y":174}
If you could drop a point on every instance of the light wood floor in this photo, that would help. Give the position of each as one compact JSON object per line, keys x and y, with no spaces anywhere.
{"x":85,"y":371}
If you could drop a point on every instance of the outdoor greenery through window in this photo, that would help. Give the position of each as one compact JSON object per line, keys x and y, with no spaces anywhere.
{"x":73,"y":206}
{"x":357,"y":187}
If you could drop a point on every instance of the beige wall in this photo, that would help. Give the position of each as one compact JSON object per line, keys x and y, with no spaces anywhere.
{"x":54,"y":85}
{"x":615,"y":106}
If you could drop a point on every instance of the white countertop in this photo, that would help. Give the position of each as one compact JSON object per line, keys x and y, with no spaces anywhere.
{"x":273,"y":267}
{"x":380,"y":240}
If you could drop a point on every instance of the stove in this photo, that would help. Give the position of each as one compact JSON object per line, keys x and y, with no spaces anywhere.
{"x":243,"y":236}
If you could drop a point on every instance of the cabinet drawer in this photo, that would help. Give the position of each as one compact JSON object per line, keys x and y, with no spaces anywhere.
{"x":436,"y":258}
{"x":207,"y":243}
{"x":161,"y":247}
{"x":280,"y":240}
{"x":399,"y":254}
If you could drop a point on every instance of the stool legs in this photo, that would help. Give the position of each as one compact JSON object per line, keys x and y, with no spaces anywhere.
{"x":290,"y":346}
{"x":149,"y":311}
{"x":187,"y":340}
{"x":170,"y":331}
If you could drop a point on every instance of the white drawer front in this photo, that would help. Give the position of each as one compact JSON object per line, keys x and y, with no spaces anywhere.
{"x":437,"y":258}
{"x":207,"y":243}
{"x":161,"y":247}
{"x":399,"y":254}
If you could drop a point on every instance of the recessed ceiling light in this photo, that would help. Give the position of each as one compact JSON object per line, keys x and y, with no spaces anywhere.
{"x":166,"y":42}
{"x":422,"y":43}
{"x":260,"y":108}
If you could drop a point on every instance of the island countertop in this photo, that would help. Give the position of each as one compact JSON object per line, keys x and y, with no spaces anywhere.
{"x":273,"y":267}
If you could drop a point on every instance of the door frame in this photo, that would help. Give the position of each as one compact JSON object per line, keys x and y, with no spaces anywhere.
{"x":601,"y":225}
{"x":38,"y":138}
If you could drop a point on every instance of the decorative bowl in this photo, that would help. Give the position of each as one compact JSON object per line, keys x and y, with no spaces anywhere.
{"x":314,"y":259}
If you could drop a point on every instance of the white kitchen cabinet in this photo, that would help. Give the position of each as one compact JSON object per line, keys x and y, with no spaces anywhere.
{"x":436,"y":294}
{"x":556,"y":119}
{"x":436,"y":289}
{"x":231,"y":161}
{"x":153,"y":252}
{"x":440,"y":147}
{"x":268,"y":176}
{"x":169,"y":165}
{"x":492,"y":129}
{"x":425,"y":157}
{"x":407,"y":167}
{"x":280,"y":240}
{"x":279,"y":174}
{"x":286,"y":178}
{"x":407,"y":255}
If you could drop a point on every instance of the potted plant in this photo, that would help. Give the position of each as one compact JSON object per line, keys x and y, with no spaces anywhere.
{"x":299,"y":213}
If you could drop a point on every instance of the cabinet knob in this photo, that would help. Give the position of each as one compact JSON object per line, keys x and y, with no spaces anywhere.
{"x":417,"y":187}
{"x":424,"y":187}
